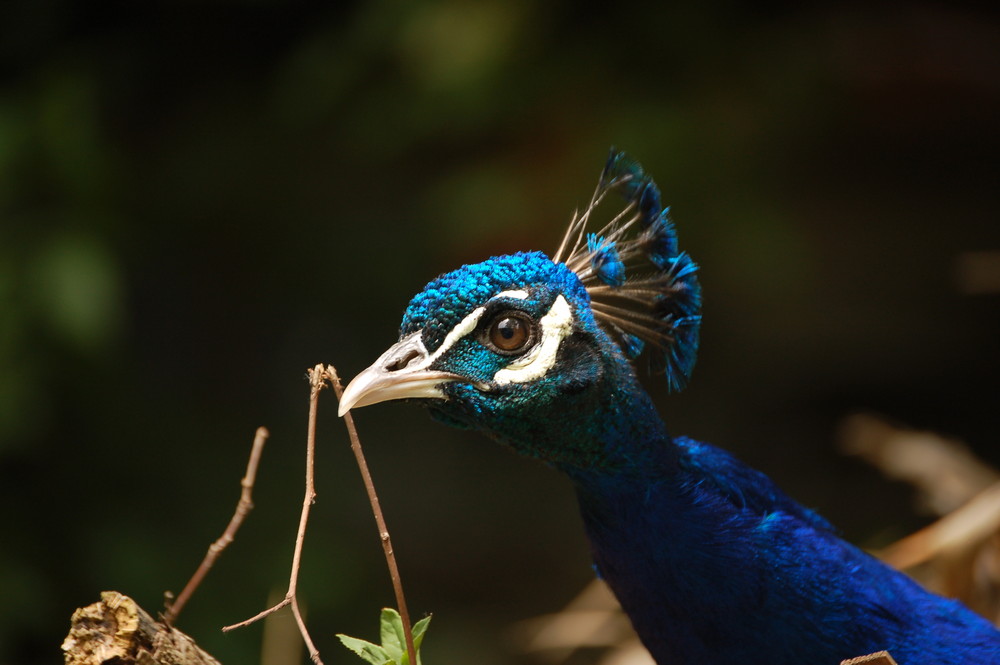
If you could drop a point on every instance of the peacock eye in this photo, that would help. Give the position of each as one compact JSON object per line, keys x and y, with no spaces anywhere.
{"x":510,"y":333}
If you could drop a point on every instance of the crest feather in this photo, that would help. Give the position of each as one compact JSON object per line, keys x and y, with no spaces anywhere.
{"x":644,"y":291}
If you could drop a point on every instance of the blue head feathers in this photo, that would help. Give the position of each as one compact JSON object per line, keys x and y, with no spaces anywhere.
{"x":446,"y":300}
{"x":626,"y":283}
{"x":535,"y":350}
{"x":642,"y":290}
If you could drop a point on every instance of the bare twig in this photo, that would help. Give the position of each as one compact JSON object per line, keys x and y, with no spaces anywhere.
{"x":390,"y":557}
{"x":318,"y":377}
{"x":243,"y":508}
{"x":317,"y":380}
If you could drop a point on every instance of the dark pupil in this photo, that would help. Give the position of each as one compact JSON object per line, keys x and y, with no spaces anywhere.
{"x":509,"y":334}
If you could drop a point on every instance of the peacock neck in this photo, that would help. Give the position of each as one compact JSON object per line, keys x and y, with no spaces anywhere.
{"x":631,"y":439}
{"x":647,"y":534}
{"x":646,"y":521}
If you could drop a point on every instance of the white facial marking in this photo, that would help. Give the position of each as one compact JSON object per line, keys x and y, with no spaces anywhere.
{"x":518,"y":294}
{"x":465,"y":326}
{"x":556,"y":325}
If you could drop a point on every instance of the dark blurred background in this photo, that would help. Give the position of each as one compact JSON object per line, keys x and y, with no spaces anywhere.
{"x":199,"y":201}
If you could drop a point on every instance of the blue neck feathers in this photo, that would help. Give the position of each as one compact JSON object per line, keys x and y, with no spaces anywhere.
{"x":711,"y":561}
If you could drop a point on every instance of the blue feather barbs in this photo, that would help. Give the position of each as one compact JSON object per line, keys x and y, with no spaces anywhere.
{"x":643,"y":290}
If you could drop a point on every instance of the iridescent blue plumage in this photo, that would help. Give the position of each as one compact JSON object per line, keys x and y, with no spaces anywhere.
{"x":444,"y":301}
{"x":712,"y":562}
{"x":604,"y":260}
{"x":663,"y":240}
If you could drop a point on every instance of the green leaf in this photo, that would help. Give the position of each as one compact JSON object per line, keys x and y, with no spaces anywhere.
{"x":393,"y":638}
{"x":419,"y":628}
{"x":372,"y":653}
{"x":393,"y":648}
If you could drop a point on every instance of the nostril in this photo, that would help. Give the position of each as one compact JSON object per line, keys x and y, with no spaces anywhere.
{"x":401,"y":363}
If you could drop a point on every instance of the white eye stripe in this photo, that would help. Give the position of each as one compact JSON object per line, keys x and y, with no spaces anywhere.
{"x":555,"y":325}
{"x":465,"y":326}
{"x":518,"y":294}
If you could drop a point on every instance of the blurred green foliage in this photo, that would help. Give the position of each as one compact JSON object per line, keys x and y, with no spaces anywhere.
{"x":200,"y":200}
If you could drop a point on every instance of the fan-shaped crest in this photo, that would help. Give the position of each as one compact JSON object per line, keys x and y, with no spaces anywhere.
{"x":643,"y":290}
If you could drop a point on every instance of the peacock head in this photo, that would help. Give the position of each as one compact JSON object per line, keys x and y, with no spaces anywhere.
{"x":536,"y":351}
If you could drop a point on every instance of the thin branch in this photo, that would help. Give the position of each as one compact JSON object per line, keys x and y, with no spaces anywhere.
{"x":313,"y":651}
{"x":260,"y":615}
{"x":317,"y":382}
{"x":383,"y":530}
{"x":243,"y":508}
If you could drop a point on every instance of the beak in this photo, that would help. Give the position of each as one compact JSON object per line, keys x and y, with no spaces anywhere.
{"x":399,"y":373}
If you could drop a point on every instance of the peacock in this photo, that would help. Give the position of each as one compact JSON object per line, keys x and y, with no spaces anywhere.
{"x":711,"y":561}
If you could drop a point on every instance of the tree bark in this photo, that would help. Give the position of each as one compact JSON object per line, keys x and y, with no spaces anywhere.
{"x":116,"y":630}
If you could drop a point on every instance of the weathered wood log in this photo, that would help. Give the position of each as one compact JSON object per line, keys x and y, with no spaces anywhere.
{"x":116,"y":630}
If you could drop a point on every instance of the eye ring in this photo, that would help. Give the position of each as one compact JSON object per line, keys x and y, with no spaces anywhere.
{"x":510,"y":333}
